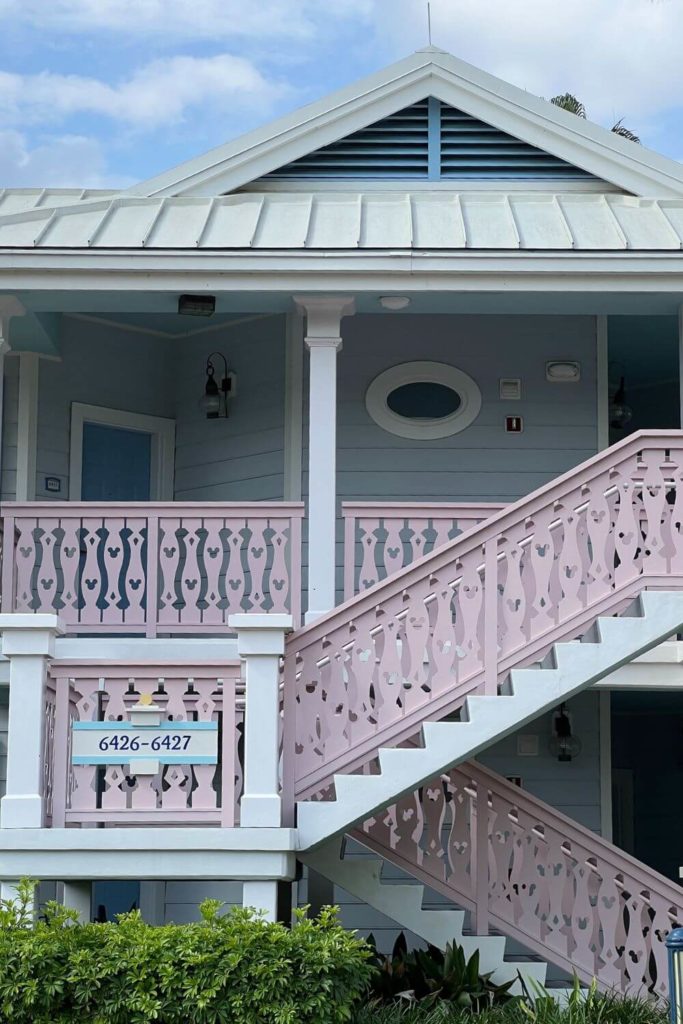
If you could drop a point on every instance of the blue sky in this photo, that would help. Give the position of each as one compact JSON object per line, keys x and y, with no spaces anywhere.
{"x":104,"y":93}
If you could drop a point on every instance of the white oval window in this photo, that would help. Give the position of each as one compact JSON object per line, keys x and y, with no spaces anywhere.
{"x":423,"y":400}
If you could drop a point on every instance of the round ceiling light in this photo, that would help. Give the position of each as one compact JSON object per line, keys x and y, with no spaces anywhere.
{"x":394,"y":301}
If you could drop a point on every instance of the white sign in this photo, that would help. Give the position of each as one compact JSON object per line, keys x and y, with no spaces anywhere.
{"x":126,"y":743}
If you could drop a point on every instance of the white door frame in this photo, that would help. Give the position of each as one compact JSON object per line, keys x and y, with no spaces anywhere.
{"x":163,"y":445}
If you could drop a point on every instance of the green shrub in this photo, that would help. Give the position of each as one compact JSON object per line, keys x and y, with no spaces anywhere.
{"x":232,"y":969}
{"x":434,"y":977}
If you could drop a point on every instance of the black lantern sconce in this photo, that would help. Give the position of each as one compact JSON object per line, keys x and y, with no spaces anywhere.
{"x":216,"y":394}
{"x":563,"y":744}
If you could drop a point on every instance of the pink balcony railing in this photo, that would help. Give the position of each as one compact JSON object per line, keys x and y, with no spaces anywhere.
{"x":535,"y":875}
{"x":382,"y":537}
{"x":454,"y":622}
{"x":178,"y":792}
{"x":149,"y":567}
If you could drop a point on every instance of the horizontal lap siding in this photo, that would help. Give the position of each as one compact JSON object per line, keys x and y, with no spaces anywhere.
{"x":240,"y":458}
{"x":482,"y":462}
{"x":99,"y":365}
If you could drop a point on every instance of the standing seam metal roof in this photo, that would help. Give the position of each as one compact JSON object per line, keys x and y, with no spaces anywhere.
{"x":353,"y":220}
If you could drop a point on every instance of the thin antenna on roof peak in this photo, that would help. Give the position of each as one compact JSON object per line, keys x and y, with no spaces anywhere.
{"x":429,"y":22}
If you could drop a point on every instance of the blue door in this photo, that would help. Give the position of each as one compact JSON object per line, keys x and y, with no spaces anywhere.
{"x":116,"y":465}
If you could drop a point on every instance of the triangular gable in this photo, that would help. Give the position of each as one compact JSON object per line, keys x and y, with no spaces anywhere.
{"x":429,"y":141}
{"x":426,"y":73}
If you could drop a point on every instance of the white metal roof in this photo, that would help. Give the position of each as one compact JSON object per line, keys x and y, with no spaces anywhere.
{"x":17,"y":200}
{"x":444,"y":220}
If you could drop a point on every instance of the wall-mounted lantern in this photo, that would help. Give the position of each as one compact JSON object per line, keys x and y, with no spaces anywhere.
{"x":216,"y":394}
{"x":564,"y":745}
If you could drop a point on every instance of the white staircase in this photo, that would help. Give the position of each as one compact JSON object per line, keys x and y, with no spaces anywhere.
{"x":402,"y":902}
{"x":527,"y":693}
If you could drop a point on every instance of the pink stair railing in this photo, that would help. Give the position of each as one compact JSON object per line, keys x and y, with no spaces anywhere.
{"x":183,"y":793}
{"x":455,"y":622}
{"x":535,"y":875}
{"x":151,"y":568}
{"x":381,"y":538}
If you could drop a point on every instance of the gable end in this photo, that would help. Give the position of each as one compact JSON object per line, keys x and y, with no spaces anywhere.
{"x":430,"y":141}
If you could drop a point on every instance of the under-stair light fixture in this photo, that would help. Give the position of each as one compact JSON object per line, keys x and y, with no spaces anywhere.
{"x":564,"y":745}
{"x":215,"y":398}
{"x":394,"y":302}
{"x":197,"y":305}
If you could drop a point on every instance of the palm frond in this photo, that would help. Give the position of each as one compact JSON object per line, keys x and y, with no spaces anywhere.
{"x":569,"y":102}
{"x":626,"y":133}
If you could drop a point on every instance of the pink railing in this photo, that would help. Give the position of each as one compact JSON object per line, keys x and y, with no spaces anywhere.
{"x":182,"y":793}
{"x":151,"y":568}
{"x":381,"y":538}
{"x":456,"y":621}
{"x":536,"y":875}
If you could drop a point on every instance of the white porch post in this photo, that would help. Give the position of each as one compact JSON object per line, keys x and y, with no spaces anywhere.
{"x":680,"y":361}
{"x":323,"y":339}
{"x":78,"y":896}
{"x":28,"y":641}
{"x":261,"y":643}
{"x":9,"y":307}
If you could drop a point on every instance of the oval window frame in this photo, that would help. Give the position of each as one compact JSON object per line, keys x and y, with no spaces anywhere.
{"x":423,"y":372}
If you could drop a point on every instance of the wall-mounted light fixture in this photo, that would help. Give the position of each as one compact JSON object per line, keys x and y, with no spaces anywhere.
{"x":197,"y":305}
{"x":563,"y":744}
{"x":215,"y":398}
{"x":560,"y":372}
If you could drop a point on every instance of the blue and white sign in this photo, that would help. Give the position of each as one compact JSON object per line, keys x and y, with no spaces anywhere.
{"x":126,"y":743}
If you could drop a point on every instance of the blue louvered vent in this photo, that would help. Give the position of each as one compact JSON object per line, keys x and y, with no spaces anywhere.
{"x":396,"y":147}
{"x":429,"y":141}
{"x":472,"y":149}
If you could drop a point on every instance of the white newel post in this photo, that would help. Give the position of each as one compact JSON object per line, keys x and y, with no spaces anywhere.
{"x":323,"y":339}
{"x":28,"y":641}
{"x":261,"y":643}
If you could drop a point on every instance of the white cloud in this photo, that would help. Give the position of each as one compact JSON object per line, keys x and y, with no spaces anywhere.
{"x":159,"y":93}
{"x":69,"y":161}
{"x":622,"y":57}
{"x":183,"y":19}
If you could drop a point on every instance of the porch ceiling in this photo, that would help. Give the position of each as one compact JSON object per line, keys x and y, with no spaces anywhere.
{"x":443,"y":221}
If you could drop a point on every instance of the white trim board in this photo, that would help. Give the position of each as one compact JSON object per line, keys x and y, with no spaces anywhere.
{"x":163,"y":445}
{"x":27,"y":426}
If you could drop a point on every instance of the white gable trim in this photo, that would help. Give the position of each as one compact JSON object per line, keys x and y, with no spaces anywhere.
{"x":428,"y":72}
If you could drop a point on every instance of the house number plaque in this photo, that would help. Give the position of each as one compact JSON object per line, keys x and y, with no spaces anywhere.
{"x":145,"y":742}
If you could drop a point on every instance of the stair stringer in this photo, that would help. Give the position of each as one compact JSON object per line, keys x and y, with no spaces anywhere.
{"x":402,"y":903}
{"x":487,"y":719}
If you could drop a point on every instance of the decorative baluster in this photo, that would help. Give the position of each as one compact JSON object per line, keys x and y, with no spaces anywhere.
{"x":257,"y":556}
{"x":394,"y":556}
{"x":469,"y":602}
{"x":541,"y":562}
{"x":92,"y":582}
{"x":205,"y":796}
{"x":367,"y":535}
{"x":443,"y":664}
{"x":46,"y":583}
{"x":417,"y":530}
{"x":189,"y":580}
{"x":28,"y":555}
{"x":514,"y":600}
{"x":211,"y":562}
{"x":656,"y":509}
{"x":599,"y":526}
{"x":278,"y":580}
{"x":459,"y":842}
{"x":434,"y":858}
{"x":169,"y":567}
{"x":133,"y":576}
{"x":84,"y":700}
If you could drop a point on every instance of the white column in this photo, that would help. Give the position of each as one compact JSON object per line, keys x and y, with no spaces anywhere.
{"x":261,"y":643}
{"x":261,"y":895}
{"x":27,"y":426}
{"x":323,"y":339}
{"x":9,"y":307}
{"x":28,"y":641}
{"x":78,"y":896}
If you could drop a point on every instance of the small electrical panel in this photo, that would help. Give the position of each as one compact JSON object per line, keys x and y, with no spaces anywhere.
{"x":510,"y":388}
{"x":514,"y":424}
